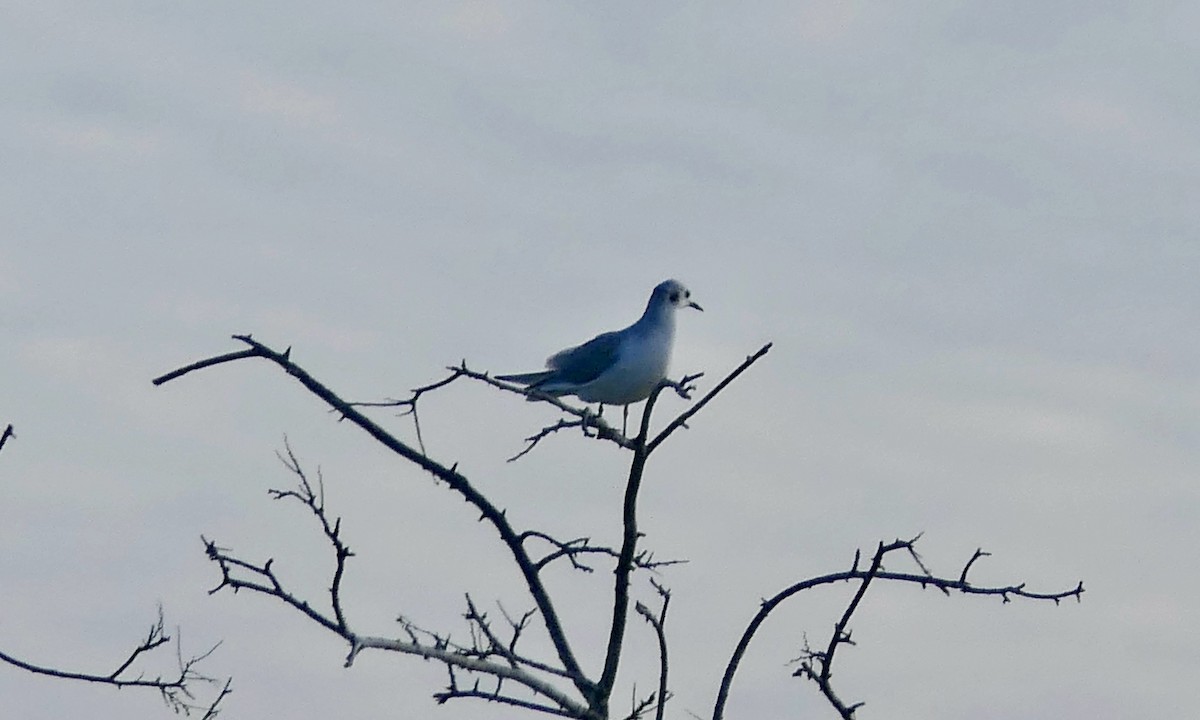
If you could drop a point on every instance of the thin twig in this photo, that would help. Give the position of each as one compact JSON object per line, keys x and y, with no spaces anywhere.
{"x":681,"y":420}
{"x":455,"y":480}
{"x":658,"y":622}
{"x":1005,"y":592}
{"x":177,"y":692}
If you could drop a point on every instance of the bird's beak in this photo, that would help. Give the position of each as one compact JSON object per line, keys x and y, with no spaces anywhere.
{"x":694,"y":305}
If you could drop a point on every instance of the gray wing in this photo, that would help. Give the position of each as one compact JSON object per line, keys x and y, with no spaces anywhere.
{"x":584,"y":363}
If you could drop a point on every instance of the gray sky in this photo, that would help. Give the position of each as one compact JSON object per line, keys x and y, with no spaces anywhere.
{"x":971,"y":231}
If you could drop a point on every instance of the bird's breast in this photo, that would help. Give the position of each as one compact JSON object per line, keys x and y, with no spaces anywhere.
{"x":641,"y":364}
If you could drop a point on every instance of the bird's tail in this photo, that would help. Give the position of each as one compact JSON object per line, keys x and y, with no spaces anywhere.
{"x":532,"y":378}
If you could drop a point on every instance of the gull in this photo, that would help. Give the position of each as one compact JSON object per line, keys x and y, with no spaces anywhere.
{"x":619,"y":367}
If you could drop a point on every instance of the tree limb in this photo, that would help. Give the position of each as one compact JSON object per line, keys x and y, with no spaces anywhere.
{"x":962,"y":585}
{"x":681,"y":420}
{"x":177,"y":691}
{"x":455,"y":480}
{"x":658,"y":622}
{"x":8,"y":433}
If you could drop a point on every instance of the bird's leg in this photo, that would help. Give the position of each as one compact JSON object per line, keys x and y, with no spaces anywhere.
{"x":588,"y":415}
{"x":625,"y":420}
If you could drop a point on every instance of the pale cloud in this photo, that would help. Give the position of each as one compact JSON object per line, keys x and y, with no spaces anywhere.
{"x":208,"y":312}
{"x":288,"y":103}
{"x":479,"y":20}
{"x":309,"y":327}
{"x":9,"y":286}
{"x":71,"y":357}
{"x":96,"y":138}
{"x":1101,"y":118}
{"x":826,"y":22}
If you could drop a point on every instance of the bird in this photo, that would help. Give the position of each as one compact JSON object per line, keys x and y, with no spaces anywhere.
{"x":620,"y":367}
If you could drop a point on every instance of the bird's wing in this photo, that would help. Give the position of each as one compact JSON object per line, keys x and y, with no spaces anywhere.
{"x":584,"y":363}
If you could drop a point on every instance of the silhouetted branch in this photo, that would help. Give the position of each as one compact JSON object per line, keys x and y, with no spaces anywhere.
{"x":819,"y":663}
{"x":486,"y":643}
{"x":449,"y":475}
{"x":491,"y":647}
{"x":681,"y":420}
{"x":209,"y":362}
{"x":581,"y":423}
{"x":411,"y":403}
{"x":177,"y":690}
{"x":572,"y":549}
{"x":658,"y":622}
{"x":453,"y":691}
{"x":478,"y":656}
{"x":642,"y":447}
{"x":315,"y":502}
{"x":239,"y":574}
{"x":639,"y":706}
{"x":616,"y":636}
{"x":818,"y":666}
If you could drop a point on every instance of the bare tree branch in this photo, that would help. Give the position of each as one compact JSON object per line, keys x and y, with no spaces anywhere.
{"x":819,"y":665}
{"x":642,"y":447}
{"x":209,"y":362}
{"x":532,"y":441}
{"x":177,"y":690}
{"x":572,"y":549}
{"x":638,"y":707}
{"x":315,"y":502}
{"x":261,"y":578}
{"x":616,"y":636}
{"x":658,"y":622}
{"x":411,"y":403}
{"x":491,"y":650}
{"x":8,"y":433}
{"x":962,"y":585}
{"x":508,"y":651}
{"x":477,"y":657}
{"x":681,"y":420}
{"x":456,"y":658}
{"x":449,"y":475}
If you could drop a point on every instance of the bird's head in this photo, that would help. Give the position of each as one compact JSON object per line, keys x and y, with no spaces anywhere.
{"x":675,"y":294}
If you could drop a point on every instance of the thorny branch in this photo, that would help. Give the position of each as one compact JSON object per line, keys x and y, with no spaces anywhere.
{"x":591,"y":424}
{"x":572,"y":549}
{"x":492,"y":653}
{"x":817,"y":665}
{"x":315,"y":502}
{"x":411,"y":404}
{"x":239,"y":574}
{"x":658,"y":622}
{"x":8,"y":433}
{"x":683,"y":387}
{"x":478,"y":656}
{"x":449,"y":475}
{"x":639,"y":706}
{"x":486,"y":643}
{"x":681,"y":420}
{"x":176,"y":690}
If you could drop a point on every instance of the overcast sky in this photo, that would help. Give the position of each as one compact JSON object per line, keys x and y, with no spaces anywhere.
{"x":971,"y":230}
